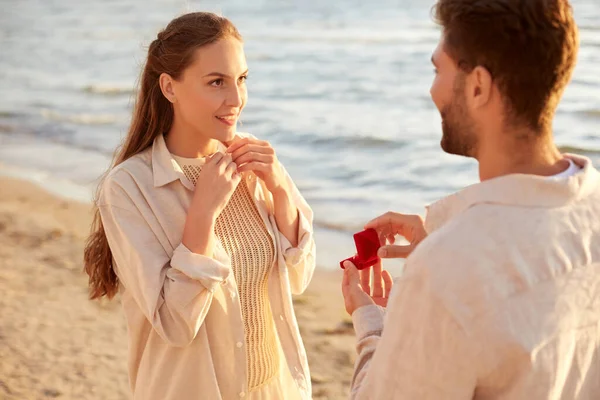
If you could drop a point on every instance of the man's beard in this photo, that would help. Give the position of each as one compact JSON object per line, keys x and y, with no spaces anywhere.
{"x":458,"y":130}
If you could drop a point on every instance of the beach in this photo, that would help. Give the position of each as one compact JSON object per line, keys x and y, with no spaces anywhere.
{"x":55,"y":343}
{"x":341,"y":91}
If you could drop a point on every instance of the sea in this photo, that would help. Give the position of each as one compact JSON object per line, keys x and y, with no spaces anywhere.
{"x":340,"y":88}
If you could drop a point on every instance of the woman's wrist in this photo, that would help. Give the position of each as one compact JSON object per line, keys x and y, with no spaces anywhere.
{"x":198,"y":234}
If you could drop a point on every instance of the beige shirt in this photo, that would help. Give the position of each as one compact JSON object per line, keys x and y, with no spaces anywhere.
{"x":244,"y":236}
{"x":186,"y":332}
{"x":500,"y":301}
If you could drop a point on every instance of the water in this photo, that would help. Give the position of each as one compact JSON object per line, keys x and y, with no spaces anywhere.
{"x":340,"y":88}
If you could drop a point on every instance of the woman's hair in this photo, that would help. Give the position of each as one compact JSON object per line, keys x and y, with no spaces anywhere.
{"x":171,"y":52}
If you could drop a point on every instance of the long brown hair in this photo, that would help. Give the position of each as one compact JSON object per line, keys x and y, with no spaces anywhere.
{"x":171,"y":52}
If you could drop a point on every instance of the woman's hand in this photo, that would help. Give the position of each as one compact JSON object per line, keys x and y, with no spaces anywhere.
{"x":259,"y":157}
{"x":216,"y":182}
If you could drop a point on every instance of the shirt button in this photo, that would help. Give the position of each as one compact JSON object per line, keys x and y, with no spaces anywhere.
{"x":281,"y":317}
{"x":239,"y":345}
{"x":242,"y":394}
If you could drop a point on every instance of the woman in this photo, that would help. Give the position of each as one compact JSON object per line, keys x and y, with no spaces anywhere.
{"x":202,"y":232}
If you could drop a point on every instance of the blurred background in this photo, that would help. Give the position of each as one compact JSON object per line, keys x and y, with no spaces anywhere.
{"x":339,"y":87}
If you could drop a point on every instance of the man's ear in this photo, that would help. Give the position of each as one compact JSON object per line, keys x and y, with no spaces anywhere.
{"x":479,"y":87}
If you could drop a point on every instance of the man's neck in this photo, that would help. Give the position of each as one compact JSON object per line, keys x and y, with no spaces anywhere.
{"x":529,"y":154}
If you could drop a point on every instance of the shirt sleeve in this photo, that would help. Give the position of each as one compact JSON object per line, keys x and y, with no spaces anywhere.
{"x":416,"y":351}
{"x":299,"y":259}
{"x":174,"y":291}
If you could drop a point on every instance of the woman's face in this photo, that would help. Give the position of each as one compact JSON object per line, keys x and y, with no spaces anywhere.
{"x":209,"y":96}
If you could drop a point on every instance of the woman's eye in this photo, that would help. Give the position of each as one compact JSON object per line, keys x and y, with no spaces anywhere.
{"x":217,"y":82}
{"x":243,"y":78}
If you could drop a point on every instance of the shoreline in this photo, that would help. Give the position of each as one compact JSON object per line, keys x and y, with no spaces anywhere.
{"x":55,"y":343}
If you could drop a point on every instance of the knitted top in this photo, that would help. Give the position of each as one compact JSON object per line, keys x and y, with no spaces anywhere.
{"x":243,"y":234}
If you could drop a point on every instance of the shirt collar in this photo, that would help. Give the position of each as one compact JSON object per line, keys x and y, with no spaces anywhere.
{"x":517,"y":190}
{"x":164,"y":167}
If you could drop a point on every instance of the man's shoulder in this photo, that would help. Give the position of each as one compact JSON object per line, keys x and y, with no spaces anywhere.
{"x":463,"y":237}
{"x":462,"y":262}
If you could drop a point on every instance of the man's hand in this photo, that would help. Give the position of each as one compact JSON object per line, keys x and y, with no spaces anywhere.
{"x":356,"y":287}
{"x":390,"y":224}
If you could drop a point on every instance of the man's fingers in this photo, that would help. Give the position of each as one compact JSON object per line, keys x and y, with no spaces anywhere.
{"x":345,"y":278}
{"x":351,"y":275}
{"x":377,"y":280}
{"x":382,"y":238}
{"x":365,"y":280}
{"x":389,"y":282}
{"x":395,"y":251}
{"x":391,"y":239}
{"x":389,"y":218}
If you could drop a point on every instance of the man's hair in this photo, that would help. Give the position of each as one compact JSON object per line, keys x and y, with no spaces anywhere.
{"x":528,"y":46}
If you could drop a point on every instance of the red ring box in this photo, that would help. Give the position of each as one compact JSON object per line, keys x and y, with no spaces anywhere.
{"x":367,"y":243}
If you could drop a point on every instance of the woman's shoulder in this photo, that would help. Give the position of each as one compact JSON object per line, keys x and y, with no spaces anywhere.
{"x":127,"y":177}
{"x":135,"y":167}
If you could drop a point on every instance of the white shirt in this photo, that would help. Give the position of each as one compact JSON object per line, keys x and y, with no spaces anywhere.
{"x":571,"y":170}
{"x":500,"y":301}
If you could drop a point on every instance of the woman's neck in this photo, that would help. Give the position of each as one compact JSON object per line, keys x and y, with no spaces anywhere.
{"x":189,"y":144}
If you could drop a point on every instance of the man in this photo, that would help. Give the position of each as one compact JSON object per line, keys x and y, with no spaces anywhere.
{"x":501,"y":297}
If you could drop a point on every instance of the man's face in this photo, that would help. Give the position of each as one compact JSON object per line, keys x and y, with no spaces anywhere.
{"x":448,"y":94}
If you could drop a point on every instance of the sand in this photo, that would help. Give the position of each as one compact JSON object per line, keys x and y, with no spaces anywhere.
{"x":55,"y":343}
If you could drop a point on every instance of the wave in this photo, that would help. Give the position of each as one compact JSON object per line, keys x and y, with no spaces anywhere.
{"x":6,"y":129}
{"x":336,"y":227}
{"x":9,"y":114}
{"x":362,"y":142}
{"x":83,"y":118}
{"x":415,"y":34}
{"x":592,"y":113}
{"x":366,"y":142}
{"x":579,"y":150}
{"x":588,"y":27}
{"x":109,"y":89}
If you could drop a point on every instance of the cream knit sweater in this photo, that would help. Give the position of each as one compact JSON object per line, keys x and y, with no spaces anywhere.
{"x":245,"y":238}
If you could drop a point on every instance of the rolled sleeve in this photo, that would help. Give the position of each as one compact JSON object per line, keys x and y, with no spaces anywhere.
{"x":208,"y":271}
{"x":294,"y":255}
{"x":368,"y":320}
{"x":173,"y":291}
{"x":300,"y":259}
